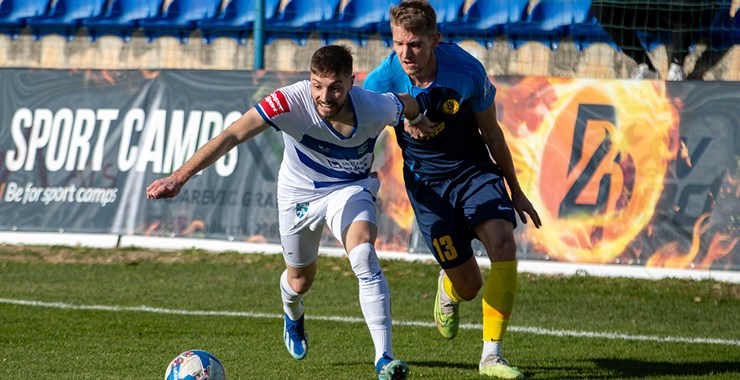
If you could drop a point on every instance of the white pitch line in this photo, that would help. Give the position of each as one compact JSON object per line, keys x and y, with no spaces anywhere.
{"x":468,"y":326}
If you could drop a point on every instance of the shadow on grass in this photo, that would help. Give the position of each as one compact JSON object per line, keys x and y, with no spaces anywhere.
{"x":635,"y":369}
{"x":632,"y":369}
{"x":443,"y":364}
{"x":605,"y":369}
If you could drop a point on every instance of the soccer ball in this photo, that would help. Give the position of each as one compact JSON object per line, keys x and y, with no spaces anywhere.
{"x":195,"y":365}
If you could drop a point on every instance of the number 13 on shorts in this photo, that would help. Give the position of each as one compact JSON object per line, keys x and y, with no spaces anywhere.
{"x":445,"y":249}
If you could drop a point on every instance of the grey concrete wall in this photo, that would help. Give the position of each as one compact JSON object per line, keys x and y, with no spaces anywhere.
{"x":111,"y":52}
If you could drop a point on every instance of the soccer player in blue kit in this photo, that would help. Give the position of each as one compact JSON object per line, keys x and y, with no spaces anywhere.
{"x":456,"y":190}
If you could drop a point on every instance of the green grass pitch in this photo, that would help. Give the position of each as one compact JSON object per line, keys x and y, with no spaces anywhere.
{"x":77,"y":313}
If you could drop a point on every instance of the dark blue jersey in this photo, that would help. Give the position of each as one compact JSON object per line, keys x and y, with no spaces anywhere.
{"x":461,"y":89}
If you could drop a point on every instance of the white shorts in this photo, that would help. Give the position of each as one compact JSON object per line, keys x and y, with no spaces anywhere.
{"x":301,"y":221}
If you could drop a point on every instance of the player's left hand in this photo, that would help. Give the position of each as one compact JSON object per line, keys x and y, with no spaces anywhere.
{"x":523,"y":206}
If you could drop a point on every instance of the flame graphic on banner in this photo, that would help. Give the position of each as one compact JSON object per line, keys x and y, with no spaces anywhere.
{"x":392,"y":194}
{"x":391,"y":178}
{"x":592,"y":157}
{"x":671,"y":256}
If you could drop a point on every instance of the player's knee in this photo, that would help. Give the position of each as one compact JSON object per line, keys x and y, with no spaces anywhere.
{"x":469,"y":290}
{"x":504,"y":249}
{"x":365,"y":263}
{"x":300,"y":284}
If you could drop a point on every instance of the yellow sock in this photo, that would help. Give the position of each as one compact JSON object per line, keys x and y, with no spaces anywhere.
{"x":450,"y":290}
{"x":498,"y":299}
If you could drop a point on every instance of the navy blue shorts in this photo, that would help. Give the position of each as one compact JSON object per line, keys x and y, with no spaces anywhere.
{"x":446,"y":210}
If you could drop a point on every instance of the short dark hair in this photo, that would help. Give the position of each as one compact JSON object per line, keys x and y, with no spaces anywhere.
{"x":415,"y":16}
{"x":332,"y":60}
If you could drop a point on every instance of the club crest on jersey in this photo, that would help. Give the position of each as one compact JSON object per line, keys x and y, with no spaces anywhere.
{"x":301,"y":209}
{"x":451,"y":106}
{"x":275,"y":104}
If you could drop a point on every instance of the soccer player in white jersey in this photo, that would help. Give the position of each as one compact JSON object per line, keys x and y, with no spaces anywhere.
{"x":329,"y":129}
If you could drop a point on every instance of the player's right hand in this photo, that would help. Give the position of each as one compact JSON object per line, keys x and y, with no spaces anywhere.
{"x":167,"y":187}
{"x":423,"y":130}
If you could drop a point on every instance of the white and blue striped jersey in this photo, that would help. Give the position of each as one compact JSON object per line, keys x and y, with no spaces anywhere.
{"x":317,"y":157}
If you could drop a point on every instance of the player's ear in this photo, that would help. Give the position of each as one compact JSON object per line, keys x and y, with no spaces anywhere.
{"x":352,"y":81}
{"x":436,"y":38}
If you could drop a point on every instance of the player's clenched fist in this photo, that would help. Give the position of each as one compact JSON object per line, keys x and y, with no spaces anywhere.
{"x":167,"y":187}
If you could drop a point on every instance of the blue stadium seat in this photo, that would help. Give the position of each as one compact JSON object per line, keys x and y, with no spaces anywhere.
{"x":384,"y":26}
{"x":65,"y":17}
{"x":724,"y":32}
{"x":653,"y":39}
{"x":14,"y":13}
{"x":447,"y":10}
{"x":236,"y":20}
{"x":122,"y":18}
{"x":485,"y":20}
{"x":299,"y":19}
{"x":589,"y":31}
{"x":179,"y":19}
{"x":356,"y":21}
{"x":547,"y":23}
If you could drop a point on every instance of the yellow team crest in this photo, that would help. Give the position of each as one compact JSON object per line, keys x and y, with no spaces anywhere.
{"x":451,"y":107}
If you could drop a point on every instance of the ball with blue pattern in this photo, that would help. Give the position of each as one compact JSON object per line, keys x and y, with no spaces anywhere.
{"x":195,"y":365}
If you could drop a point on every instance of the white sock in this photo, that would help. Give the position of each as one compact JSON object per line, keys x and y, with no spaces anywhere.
{"x":375,"y":297}
{"x":292,"y":301}
{"x":490,"y":348}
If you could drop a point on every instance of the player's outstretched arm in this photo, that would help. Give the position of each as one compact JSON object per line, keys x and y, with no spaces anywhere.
{"x":416,"y":124}
{"x":494,"y":138}
{"x":248,"y":126}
